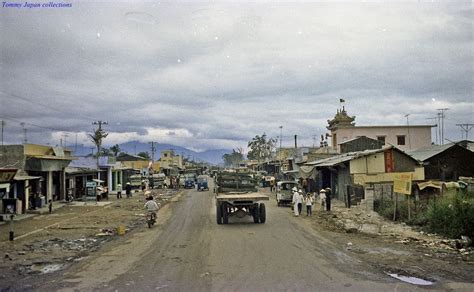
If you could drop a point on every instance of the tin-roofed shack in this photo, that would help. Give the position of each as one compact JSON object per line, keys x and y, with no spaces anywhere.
{"x":446,"y":162}
{"x":349,"y":174}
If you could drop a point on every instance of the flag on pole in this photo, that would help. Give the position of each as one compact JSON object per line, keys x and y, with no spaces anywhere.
{"x":341,"y":100}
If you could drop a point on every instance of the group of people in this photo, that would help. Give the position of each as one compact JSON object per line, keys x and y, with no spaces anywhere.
{"x":308,"y":200}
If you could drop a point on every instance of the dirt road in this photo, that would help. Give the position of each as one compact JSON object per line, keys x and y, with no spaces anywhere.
{"x":187,"y":250}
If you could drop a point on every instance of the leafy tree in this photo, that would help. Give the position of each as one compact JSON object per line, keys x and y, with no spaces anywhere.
{"x":261,"y":147}
{"x":234,"y":158}
{"x":115,"y":149}
{"x":144,"y":154}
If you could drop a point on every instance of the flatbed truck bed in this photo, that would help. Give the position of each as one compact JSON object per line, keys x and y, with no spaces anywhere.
{"x":240,"y":204}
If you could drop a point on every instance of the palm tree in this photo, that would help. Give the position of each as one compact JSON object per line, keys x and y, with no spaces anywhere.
{"x":115,"y":149}
{"x":97,"y":138}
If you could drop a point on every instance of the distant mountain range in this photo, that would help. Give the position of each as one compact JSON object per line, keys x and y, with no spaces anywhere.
{"x":134,"y":147}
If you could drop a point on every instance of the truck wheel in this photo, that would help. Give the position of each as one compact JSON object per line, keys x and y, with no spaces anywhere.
{"x":225,"y":214}
{"x":263,"y":213}
{"x":218,"y":213}
{"x":256,"y":214}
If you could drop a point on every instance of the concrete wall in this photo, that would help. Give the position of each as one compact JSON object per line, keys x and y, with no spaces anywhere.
{"x":12,"y":156}
{"x":419,"y":136}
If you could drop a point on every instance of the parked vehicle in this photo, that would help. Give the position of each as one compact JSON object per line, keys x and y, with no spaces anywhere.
{"x":158,"y":180}
{"x":136,"y":181}
{"x":236,"y":195}
{"x":202,"y":183}
{"x":284,"y":194}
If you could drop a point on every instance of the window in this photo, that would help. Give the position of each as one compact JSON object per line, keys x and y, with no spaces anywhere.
{"x":401,"y":140}
{"x":381,"y":139}
{"x":165,"y":155}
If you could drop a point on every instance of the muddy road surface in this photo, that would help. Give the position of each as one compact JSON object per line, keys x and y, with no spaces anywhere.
{"x":188,"y":251}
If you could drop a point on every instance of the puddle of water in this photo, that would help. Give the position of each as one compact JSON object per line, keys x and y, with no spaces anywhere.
{"x":411,"y":280}
{"x":50,"y":269}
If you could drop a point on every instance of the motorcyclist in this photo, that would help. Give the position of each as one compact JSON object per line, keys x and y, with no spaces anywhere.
{"x":151,"y":206}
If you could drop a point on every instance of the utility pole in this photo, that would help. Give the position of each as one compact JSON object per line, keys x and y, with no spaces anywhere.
{"x":3,"y":125}
{"x":25,"y":140}
{"x":281,"y":137}
{"x":296,"y":141}
{"x":64,"y":136}
{"x":75,"y":144}
{"x":466,"y":128}
{"x":153,"y":149}
{"x":99,"y":123}
{"x":442,"y":116}
{"x":408,"y":128}
{"x":436,"y":130}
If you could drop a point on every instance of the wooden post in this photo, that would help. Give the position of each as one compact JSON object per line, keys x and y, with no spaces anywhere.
{"x":408,"y":205}
{"x":395,"y":207}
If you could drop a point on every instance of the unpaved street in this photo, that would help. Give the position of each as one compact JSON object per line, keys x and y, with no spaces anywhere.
{"x":187,"y":250}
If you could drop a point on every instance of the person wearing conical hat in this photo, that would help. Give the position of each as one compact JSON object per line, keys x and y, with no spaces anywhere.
{"x":322,"y":199}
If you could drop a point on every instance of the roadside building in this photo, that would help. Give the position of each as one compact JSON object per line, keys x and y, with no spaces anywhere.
{"x":446,"y":162}
{"x":404,"y":137}
{"x":168,"y":159}
{"x":41,"y":170}
{"x":349,"y":174}
{"x":79,"y":172}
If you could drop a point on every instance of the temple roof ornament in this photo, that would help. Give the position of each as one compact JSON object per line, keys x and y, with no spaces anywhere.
{"x":341,"y":120}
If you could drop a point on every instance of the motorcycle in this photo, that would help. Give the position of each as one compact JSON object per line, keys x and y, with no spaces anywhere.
{"x":150,"y":219}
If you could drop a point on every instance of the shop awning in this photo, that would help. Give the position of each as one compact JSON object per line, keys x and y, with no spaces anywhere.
{"x":25,"y":177}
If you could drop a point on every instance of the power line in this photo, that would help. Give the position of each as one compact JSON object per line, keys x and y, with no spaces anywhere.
{"x":465,"y":128}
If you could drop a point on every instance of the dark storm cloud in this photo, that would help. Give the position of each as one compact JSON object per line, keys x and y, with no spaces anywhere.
{"x":215,"y":75}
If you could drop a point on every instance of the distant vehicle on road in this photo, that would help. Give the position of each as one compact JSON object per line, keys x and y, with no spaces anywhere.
{"x":284,"y":194}
{"x":188,"y":181}
{"x":202,"y":183}
{"x":236,"y":195}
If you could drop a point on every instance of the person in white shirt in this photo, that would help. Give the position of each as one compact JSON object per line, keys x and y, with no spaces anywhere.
{"x":151,"y":206}
{"x":296,"y":199}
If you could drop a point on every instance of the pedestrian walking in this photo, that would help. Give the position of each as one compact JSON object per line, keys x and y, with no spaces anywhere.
{"x":119,"y":191}
{"x":328,"y":199}
{"x":128,"y":190}
{"x":98,"y":191}
{"x":272,"y":184}
{"x":50,"y":206}
{"x":322,"y":199}
{"x":296,"y":198}
{"x":300,"y":201}
{"x":309,"y":204}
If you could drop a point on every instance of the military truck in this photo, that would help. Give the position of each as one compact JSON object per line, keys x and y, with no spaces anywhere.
{"x":236,"y":195}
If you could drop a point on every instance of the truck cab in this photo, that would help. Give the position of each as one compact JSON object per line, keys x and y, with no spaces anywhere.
{"x":284,"y":194}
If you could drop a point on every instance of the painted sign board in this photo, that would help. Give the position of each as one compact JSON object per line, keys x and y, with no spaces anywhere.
{"x":402,"y":183}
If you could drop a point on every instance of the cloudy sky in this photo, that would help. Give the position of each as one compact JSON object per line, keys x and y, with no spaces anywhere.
{"x":214,"y":75}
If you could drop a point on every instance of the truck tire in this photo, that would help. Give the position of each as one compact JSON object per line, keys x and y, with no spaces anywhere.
{"x":218,"y":213}
{"x":256,"y":214}
{"x":225,"y":214}
{"x":263,"y":213}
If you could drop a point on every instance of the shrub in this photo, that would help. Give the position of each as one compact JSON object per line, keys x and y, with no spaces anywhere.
{"x":452,"y":216}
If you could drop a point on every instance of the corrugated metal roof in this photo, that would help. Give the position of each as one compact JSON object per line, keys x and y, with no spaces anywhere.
{"x":427,"y":152}
{"x":331,"y":161}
